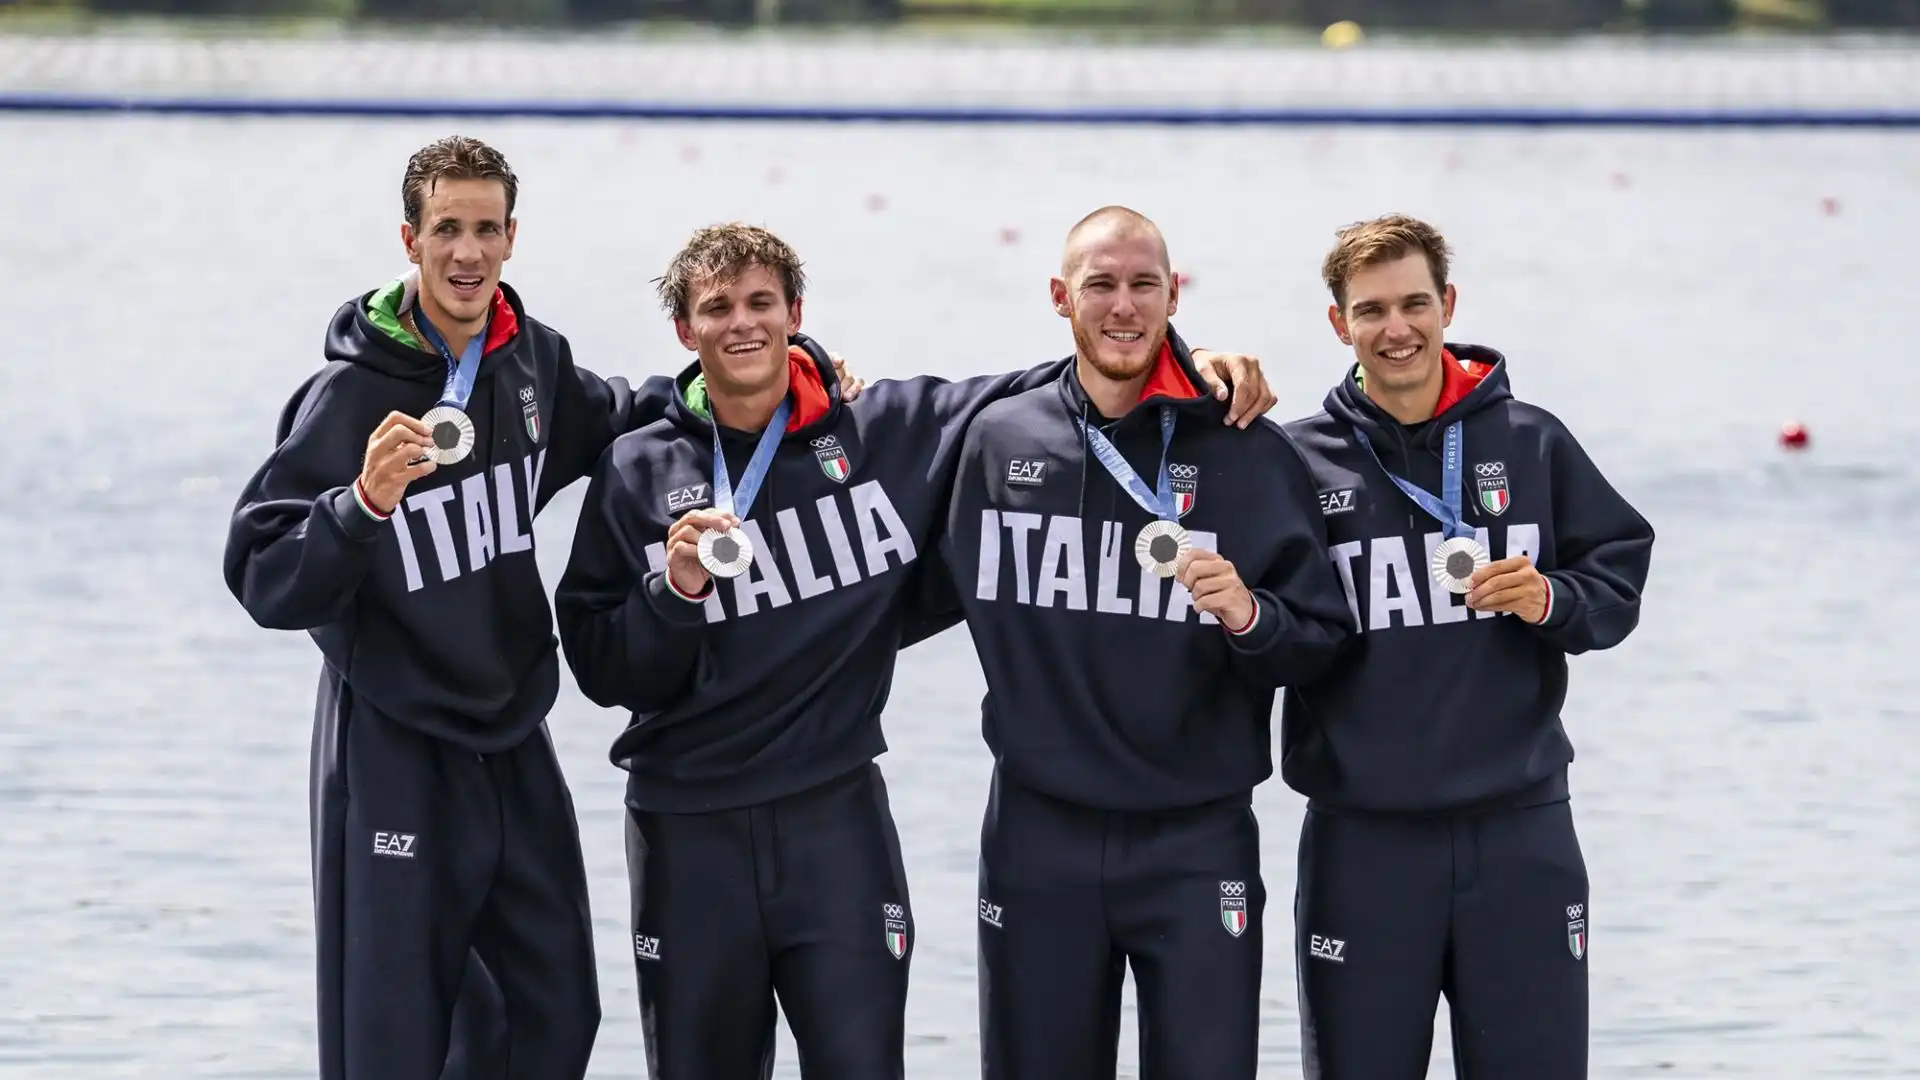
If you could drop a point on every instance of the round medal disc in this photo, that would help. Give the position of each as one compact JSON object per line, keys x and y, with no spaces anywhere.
{"x":452,"y":434}
{"x":725,"y":554}
{"x":1160,"y":546}
{"x":1454,"y":562}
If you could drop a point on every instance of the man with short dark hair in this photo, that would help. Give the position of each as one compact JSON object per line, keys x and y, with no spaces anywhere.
{"x":1438,"y":853}
{"x":394,"y":523}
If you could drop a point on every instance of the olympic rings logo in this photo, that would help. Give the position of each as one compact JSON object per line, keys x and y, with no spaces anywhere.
{"x":894,"y":911}
{"x":1490,"y":468}
{"x":1233,"y":888}
{"x":825,"y":441}
{"x":1574,"y":911}
{"x":1183,"y":472}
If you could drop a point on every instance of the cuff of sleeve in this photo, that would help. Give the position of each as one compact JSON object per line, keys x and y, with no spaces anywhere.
{"x":673,"y":605}
{"x":1257,"y":635}
{"x":1252,"y":621}
{"x":1557,"y":612}
{"x":357,"y":519}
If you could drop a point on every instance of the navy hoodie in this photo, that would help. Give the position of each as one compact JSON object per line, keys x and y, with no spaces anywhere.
{"x":775,"y":682}
{"x":1435,"y":707}
{"x":436,"y":617}
{"x":1104,"y":687}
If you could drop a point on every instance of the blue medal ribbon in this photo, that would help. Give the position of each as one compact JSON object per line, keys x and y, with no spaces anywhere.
{"x":461,"y":372}
{"x":1445,"y":510}
{"x":723,"y":494}
{"x":1159,"y":502}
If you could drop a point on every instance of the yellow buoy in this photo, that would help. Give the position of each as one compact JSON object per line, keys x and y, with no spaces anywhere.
{"x":1341,"y":35}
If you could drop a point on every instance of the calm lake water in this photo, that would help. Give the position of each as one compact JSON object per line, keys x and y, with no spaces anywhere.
{"x":1744,"y":787}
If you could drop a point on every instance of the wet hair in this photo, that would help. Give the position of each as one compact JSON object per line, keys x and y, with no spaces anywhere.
{"x":455,"y":157}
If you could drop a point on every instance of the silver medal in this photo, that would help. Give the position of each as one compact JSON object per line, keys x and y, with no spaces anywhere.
{"x":1160,"y":546}
{"x":1454,"y":562}
{"x":452,"y":434}
{"x":725,"y":554}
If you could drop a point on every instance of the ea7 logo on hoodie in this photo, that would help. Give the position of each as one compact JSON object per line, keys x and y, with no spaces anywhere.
{"x":1026,"y":472}
{"x":681,"y":500}
{"x":1336,"y":502}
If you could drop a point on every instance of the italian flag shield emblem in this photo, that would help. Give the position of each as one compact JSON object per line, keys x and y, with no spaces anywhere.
{"x":1233,"y":914}
{"x":833,"y":461}
{"x":896,"y":938}
{"x":1494,"y":496}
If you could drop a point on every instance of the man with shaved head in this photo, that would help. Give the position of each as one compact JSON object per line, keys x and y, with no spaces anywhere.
{"x":1133,"y":637}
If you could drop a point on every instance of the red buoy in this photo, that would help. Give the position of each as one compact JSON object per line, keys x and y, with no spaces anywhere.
{"x":1793,"y":436}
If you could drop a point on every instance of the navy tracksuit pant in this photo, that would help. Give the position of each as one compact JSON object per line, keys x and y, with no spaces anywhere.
{"x":428,"y":857}
{"x":1070,"y":896}
{"x":804,"y":897}
{"x":1395,"y":910}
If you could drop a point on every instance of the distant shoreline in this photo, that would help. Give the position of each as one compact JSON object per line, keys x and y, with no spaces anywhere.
{"x":974,"y":26}
{"x":975,"y":74}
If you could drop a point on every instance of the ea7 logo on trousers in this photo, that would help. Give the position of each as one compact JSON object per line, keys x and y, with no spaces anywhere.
{"x":646,"y":948}
{"x":1326,"y":948}
{"x":990,"y":913}
{"x":395,"y":845}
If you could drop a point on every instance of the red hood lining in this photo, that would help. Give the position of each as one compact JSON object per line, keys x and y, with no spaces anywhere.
{"x":503,"y":324}
{"x":1169,"y":379}
{"x":1458,"y":378}
{"x":810,"y":399}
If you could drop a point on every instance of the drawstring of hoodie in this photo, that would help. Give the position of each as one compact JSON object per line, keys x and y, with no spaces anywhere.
{"x":1080,"y":509}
